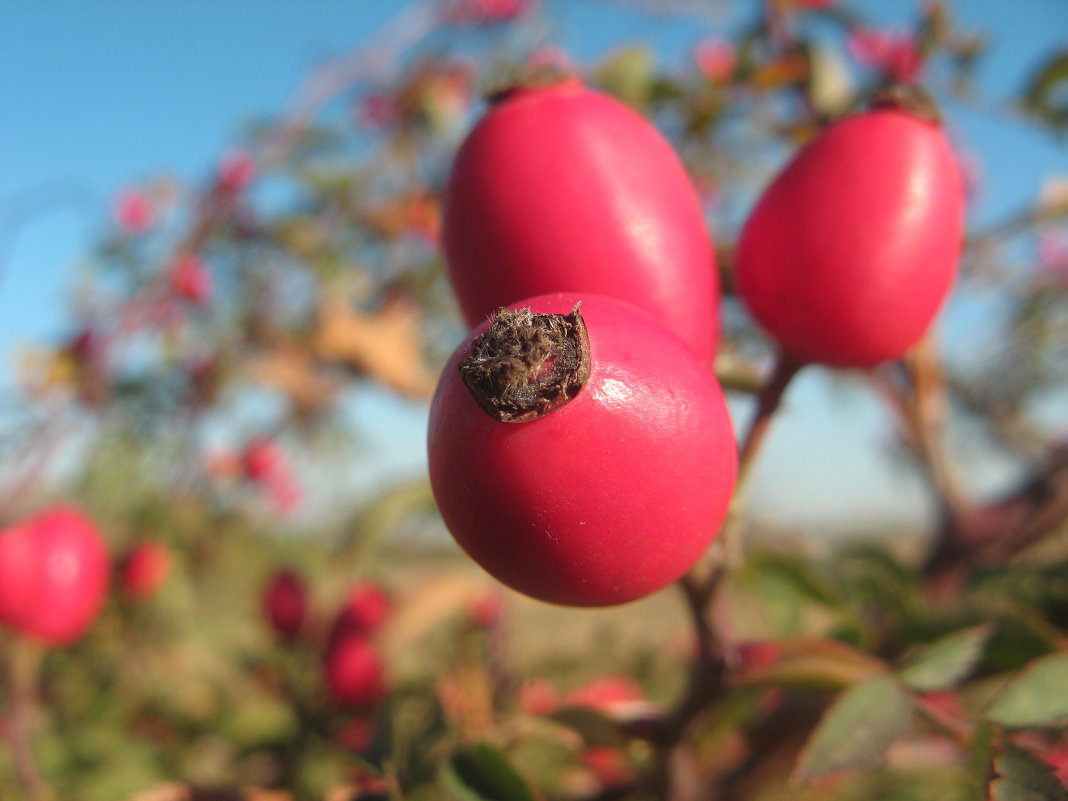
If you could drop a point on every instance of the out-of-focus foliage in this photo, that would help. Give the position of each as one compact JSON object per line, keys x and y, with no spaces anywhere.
{"x":205,"y":394}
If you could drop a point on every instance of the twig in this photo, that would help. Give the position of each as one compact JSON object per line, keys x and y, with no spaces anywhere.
{"x":786,"y":367}
{"x":24,"y":667}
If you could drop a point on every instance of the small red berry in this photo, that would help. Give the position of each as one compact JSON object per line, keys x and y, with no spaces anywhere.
{"x":143,"y":569}
{"x":354,"y":672}
{"x":134,"y":212}
{"x":365,"y":608}
{"x":18,"y":571}
{"x":190,"y":279}
{"x":537,"y":696}
{"x":236,"y":170}
{"x":64,"y":555}
{"x":585,"y":455}
{"x":608,"y":764}
{"x":261,"y":459}
{"x":285,"y":603}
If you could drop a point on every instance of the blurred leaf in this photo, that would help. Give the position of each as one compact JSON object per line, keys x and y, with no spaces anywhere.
{"x":1044,"y":94}
{"x":1022,"y":776}
{"x":944,"y":663}
{"x":481,"y":773}
{"x":859,"y":726}
{"x":830,"y":83}
{"x":1038,"y":696}
{"x":291,"y":370}
{"x":1018,"y":639}
{"x":628,"y":74}
{"x":385,"y":345}
{"x":813,"y":662}
{"x":876,"y":578}
{"x":803,"y":575}
{"x":595,"y":727}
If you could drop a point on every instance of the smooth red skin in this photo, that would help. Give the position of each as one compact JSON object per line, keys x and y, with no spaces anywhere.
{"x":143,"y":569}
{"x":285,"y":603}
{"x":606,"y":499}
{"x":564,"y":189}
{"x":354,"y":672}
{"x":70,"y":569}
{"x":18,"y":571}
{"x":850,"y":253}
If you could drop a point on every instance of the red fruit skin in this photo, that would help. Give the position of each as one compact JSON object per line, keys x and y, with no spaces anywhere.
{"x":143,"y":569}
{"x":850,"y":253}
{"x":606,"y":499}
{"x":564,"y":189}
{"x":285,"y":603}
{"x":70,"y":568}
{"x":18,"y":571}
{"x":354,"y":673}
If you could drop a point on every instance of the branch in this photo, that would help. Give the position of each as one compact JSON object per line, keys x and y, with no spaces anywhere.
{"x":999,"y":530}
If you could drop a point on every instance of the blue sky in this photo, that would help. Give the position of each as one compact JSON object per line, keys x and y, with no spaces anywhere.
{"x":100,"y":95}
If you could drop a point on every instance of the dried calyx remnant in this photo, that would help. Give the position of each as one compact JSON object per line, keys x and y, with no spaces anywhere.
{"x":526,"y":364}
{"x":910,"y":98}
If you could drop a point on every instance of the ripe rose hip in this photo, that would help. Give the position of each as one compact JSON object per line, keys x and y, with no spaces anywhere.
{"x":597,"y":462}
{"x":285,"y":603}
{"x":59,"y":569}
{"x":849,"y":254}
{"x":354,"y":673}
{"x":143,"y":569}
{"x":365,"y":608}
{"x":18,"y":571}
{"x":563,"y":189}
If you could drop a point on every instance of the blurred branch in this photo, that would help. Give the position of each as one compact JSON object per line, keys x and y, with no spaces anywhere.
{"x":23,"y":673}
{"x":786,"y":367}
{"x":996,"y":531}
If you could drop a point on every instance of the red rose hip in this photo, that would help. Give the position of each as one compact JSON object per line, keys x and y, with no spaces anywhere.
{"x":850,"y":253}
{"x":561,"y":189}
{"x":285,"y":603}
{"x":354,"y":672}
{"x":68,"y":567}
{"x":601,"y":469}
{"x":143,"y":569}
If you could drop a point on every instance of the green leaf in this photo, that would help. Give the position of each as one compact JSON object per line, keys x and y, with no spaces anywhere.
{"x":1022,"y":776}
{"x":946,"y":661}
{"x":628,"y":74}
{"x":858,"y":727}
{"x":481,"y":773}
{"x":1044,"y":94}
{"x":1037,"y":696}
{"x":813,"y":662}
{"x":805,"y":577}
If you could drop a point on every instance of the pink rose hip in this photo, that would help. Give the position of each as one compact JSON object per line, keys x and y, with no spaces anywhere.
{"x":585,"y":455}
{"x":852,"y":250}
{"x":563,"y":189}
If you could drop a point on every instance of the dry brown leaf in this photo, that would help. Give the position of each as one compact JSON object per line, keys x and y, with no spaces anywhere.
{"x":465,"y":693}
{"x":384,"y":345}
{"x":292,"y":370}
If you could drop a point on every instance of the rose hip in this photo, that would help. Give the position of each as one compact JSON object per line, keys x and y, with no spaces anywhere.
{"x":602,"y":469}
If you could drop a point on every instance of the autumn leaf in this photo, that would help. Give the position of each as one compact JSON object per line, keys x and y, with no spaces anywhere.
{"x":385,"y":345}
